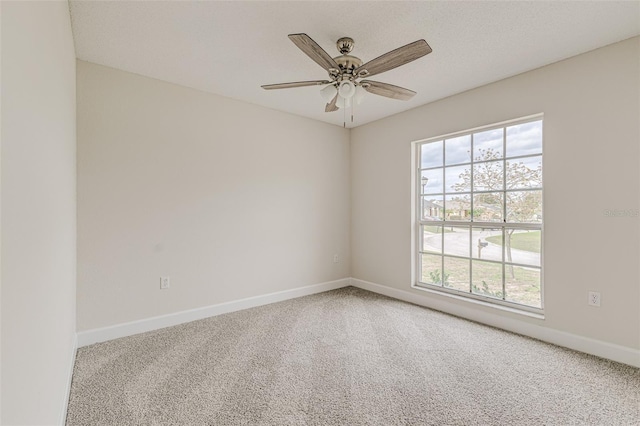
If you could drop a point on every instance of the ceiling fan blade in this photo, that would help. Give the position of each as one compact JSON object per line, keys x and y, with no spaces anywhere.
{"x":331,"y":106}
{"x":387,"y":90}
{"x":314,"y":51}
{"x":295,"y":84}
{"x":395,"y":58}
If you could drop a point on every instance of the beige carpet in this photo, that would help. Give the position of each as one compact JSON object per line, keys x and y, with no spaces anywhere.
{"x":345,"y":357}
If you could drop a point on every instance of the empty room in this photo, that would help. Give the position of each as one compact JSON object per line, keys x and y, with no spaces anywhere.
{"x":320,"y":213}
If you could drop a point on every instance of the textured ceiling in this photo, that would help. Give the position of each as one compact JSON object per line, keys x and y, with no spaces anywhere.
{"x":232,"y":48}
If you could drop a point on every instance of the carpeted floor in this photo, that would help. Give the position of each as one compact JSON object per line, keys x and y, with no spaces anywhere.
{"x":345,"y":357}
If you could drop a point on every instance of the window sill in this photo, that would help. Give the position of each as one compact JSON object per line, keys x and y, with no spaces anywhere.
{"x":481,"y":302}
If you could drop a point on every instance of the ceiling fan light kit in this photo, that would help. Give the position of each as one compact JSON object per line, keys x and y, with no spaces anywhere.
{"x":346,"y":72}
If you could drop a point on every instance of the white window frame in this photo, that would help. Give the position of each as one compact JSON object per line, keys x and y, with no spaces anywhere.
{"x":417,"y":222}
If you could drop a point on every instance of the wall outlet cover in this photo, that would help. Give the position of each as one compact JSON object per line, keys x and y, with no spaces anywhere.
{"x":165,"y":283}
{"x":594,"y":298}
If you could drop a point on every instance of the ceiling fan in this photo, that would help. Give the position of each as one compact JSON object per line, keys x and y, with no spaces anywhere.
{"x":345,"y":84}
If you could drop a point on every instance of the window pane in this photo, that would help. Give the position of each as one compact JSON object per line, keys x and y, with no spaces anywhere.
{"x":488,"y":145}
{"x":457,"y":150}
{"x":431,"y":155}
{"x":458,"y":207}
{"x":524,"y":139}
{"x":432,"y":207}
{"x":456,"y":241}
{"x":522,"y":285}
{"x":488,"y":207}
{"x":457,"y":179}
{"x":522,"y":246}
{"x":524,"y":173}
{"x":487,"y":279}
{"x":524,"y":206}
{"x":431,"y":181}
{"x":456,"y":273}
{"x":488,"y":176}
{"x":487,"y":243}
{"x":431,"y":267}
{"x":432,"y":238}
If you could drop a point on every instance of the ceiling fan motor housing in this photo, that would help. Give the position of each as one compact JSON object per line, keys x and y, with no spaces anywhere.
{"x":346,"y":62}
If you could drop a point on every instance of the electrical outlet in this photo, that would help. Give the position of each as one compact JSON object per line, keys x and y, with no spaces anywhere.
{"x":594,"y":298}
{"x":336,"y":259}
{"x":165,"y":283}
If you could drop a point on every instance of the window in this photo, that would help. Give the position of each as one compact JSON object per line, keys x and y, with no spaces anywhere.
{"x":479,"y":214}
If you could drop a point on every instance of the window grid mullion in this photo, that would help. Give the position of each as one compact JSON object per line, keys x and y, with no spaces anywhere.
{"x":444,"y":185}
{"x":442,"y":256}
{"x":504,"y":212}
{"x":420,"y":209}
{"x":515,"y":157}
{"x":471,"y":188}
{"x":444,"y":212}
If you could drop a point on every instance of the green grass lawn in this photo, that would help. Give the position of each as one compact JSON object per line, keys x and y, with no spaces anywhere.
{"x":523,"y":287}
{"x":528,"y":241}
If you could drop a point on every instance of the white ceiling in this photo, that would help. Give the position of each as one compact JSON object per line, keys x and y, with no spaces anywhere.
{"x":232,"y":48}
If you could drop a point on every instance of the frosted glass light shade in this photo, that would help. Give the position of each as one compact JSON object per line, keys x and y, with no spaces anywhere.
{"x":328,"y":93}
{"x":347,"y":89}
{"x":359,"y":96}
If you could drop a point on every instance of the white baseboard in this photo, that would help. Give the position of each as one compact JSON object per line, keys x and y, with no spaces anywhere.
{"x":90,"y":337}
{"x":72,"y":361}
{"x":599,"y":348}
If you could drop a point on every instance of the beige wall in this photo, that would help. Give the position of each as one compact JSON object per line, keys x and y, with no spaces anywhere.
{"x":38,"y":170}
{"x":229,"y":199}
{"x":592,"y":153}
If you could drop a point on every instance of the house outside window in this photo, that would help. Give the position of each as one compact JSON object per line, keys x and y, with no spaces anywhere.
{"x":479,"y":216}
